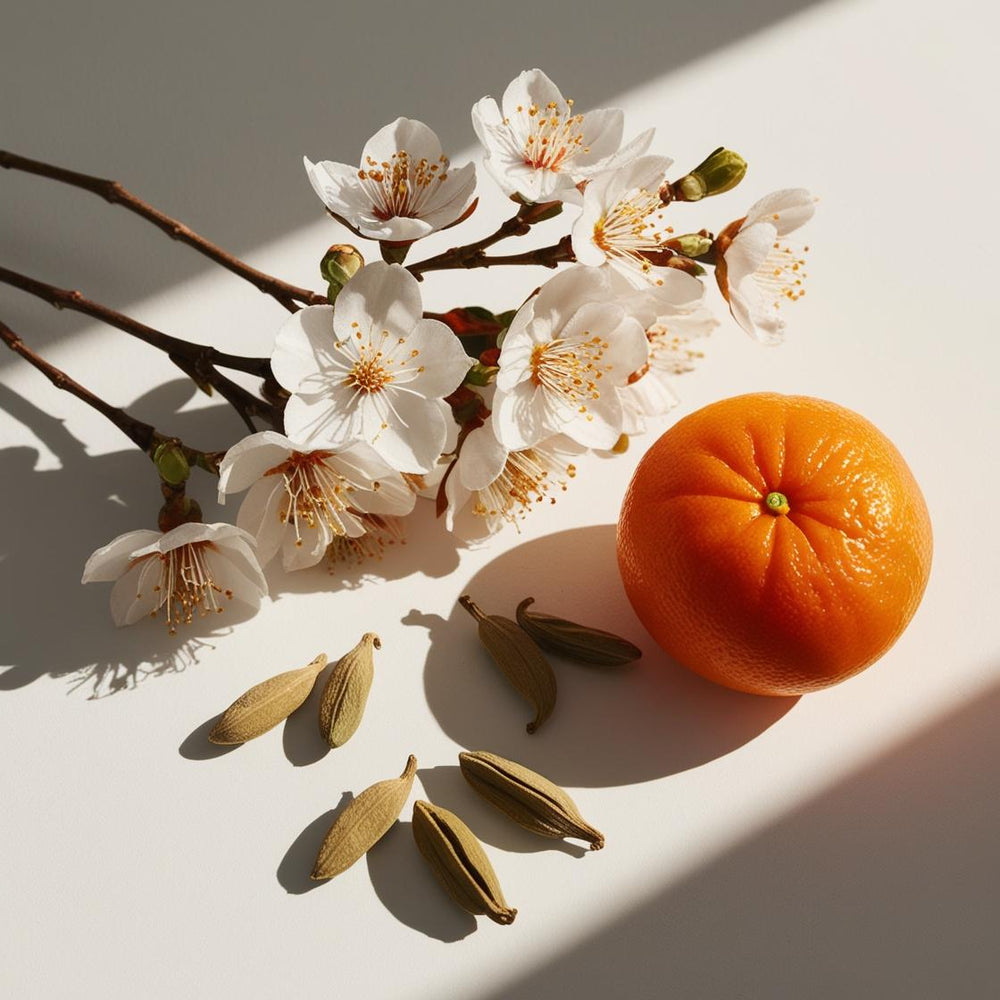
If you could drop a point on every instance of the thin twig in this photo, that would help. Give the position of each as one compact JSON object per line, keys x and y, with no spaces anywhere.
{"x":550,"y":256}
{"x":144,"y":436}
{"x":473,"y":254}
{"x":197,"y":361}
{"x":287,"y":294}
{"x":64,"y":298}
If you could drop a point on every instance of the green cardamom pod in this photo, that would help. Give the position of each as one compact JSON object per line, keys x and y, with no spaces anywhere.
{"x":346,"y":692}
{"x":363,"y":823}
{"x":521,"y":661}
{"x":528,"y":798}
{"x":576,"y":642}
{"x":459,"y":862}
{"x":266,"y":704}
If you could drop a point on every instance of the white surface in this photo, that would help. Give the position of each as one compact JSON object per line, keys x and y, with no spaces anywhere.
{"x":843,"y":844}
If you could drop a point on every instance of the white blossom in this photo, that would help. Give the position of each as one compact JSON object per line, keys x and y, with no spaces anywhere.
{"x":193,"y":569}
{"x":758,"y":270}
{"x":403,"y":189}
{"x":300,"y":501}
{"x":490,"y":486}
{"x":621,"y":223}
{"x":566,"y":353}
{"x":370,"y":369}
{"x":540,"y":147}
{"x":649,"y":392}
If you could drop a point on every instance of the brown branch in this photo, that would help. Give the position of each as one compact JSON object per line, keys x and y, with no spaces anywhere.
{"x":111,"y":191}
{"x":473,"y":254}
{"x":197,"y":361}
{"x":550,"y":256}
{"x":64,"y":298}
{"x":143,"y":435}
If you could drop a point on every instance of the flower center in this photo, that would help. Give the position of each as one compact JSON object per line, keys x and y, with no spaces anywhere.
{"x":528,"y":477}
{"x":571,"y":368}
{"x":369,"y":374}
{"x":781,"y":276}
{"x":630,"y":230}
{"x":670,"y":352}
{"x":400,"y":186}
{"x":380,"y":532}
{"x":186,"y":585}
{"x":554,"y":135}
{"x":315,"y":493}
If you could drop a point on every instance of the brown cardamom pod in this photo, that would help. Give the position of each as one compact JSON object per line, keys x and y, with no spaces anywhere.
{"x":346,"y":692}
{"x":266,"y":704}
{"x":576,"y":642}
{"x":521,"y":661}
{"x":363,"y":823}
{"x":528,"y":798}
{"x":459,"y":862}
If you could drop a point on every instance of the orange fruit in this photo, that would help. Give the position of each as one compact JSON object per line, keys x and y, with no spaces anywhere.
{"x":774,"y":544}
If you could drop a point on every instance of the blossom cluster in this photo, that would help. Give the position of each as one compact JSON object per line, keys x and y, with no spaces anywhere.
{"x":383,"y":401}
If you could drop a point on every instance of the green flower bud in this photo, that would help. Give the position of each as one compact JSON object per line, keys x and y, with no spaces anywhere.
{"x":721,"y":171}
{"x":171,"y":463}
{"x":690,"y":244}
{"x":339,"y":264}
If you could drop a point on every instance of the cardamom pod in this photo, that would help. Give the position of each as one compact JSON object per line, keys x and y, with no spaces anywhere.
{"x":346,"y":692}
{"x":521,"y":661}
{"x":528,"y":798}
{"x":363,"y":823}
{"x":459,"y":862}
{"x":576,"y":642}
{"x":266,"y":704}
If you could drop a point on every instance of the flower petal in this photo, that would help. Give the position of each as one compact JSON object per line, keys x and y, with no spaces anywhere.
{"x":304,"y":345}
{"x":749,"y":309}
{"x":135,"y":595}
{"x":325,"y":420}
{"x":110,"y":561}
{"x":618,"y":159}
{"x":234,"y":567}
{"x":457,"y":496}
{"x":451,"y":197}
{"x":379,"y":297}
{"x":531,"y":86}
{"x":748,"y":251}
{"x":601,"y":426}
{"x":302,"y":553}
{"x":522,"y":417}
{"x":482,"y":458}
{"x":249,"y":459}
{"x":404,"y":134}
{"x":337,"y":186}
{"x":785,"y":210}
{"x":260,"y":516}
{"x":398,"y":229}
{"x":486,"y":116}
{"x":411,"y":436}
{"x":432,"y":347}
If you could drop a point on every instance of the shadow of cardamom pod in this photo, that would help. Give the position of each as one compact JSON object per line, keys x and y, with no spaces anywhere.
{"x":296,"y":866}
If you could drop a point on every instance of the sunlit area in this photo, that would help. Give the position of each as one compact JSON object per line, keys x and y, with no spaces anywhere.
{"x":526,"y":543}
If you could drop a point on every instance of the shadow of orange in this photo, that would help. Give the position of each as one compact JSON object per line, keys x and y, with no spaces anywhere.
{"x":609,"y":727}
